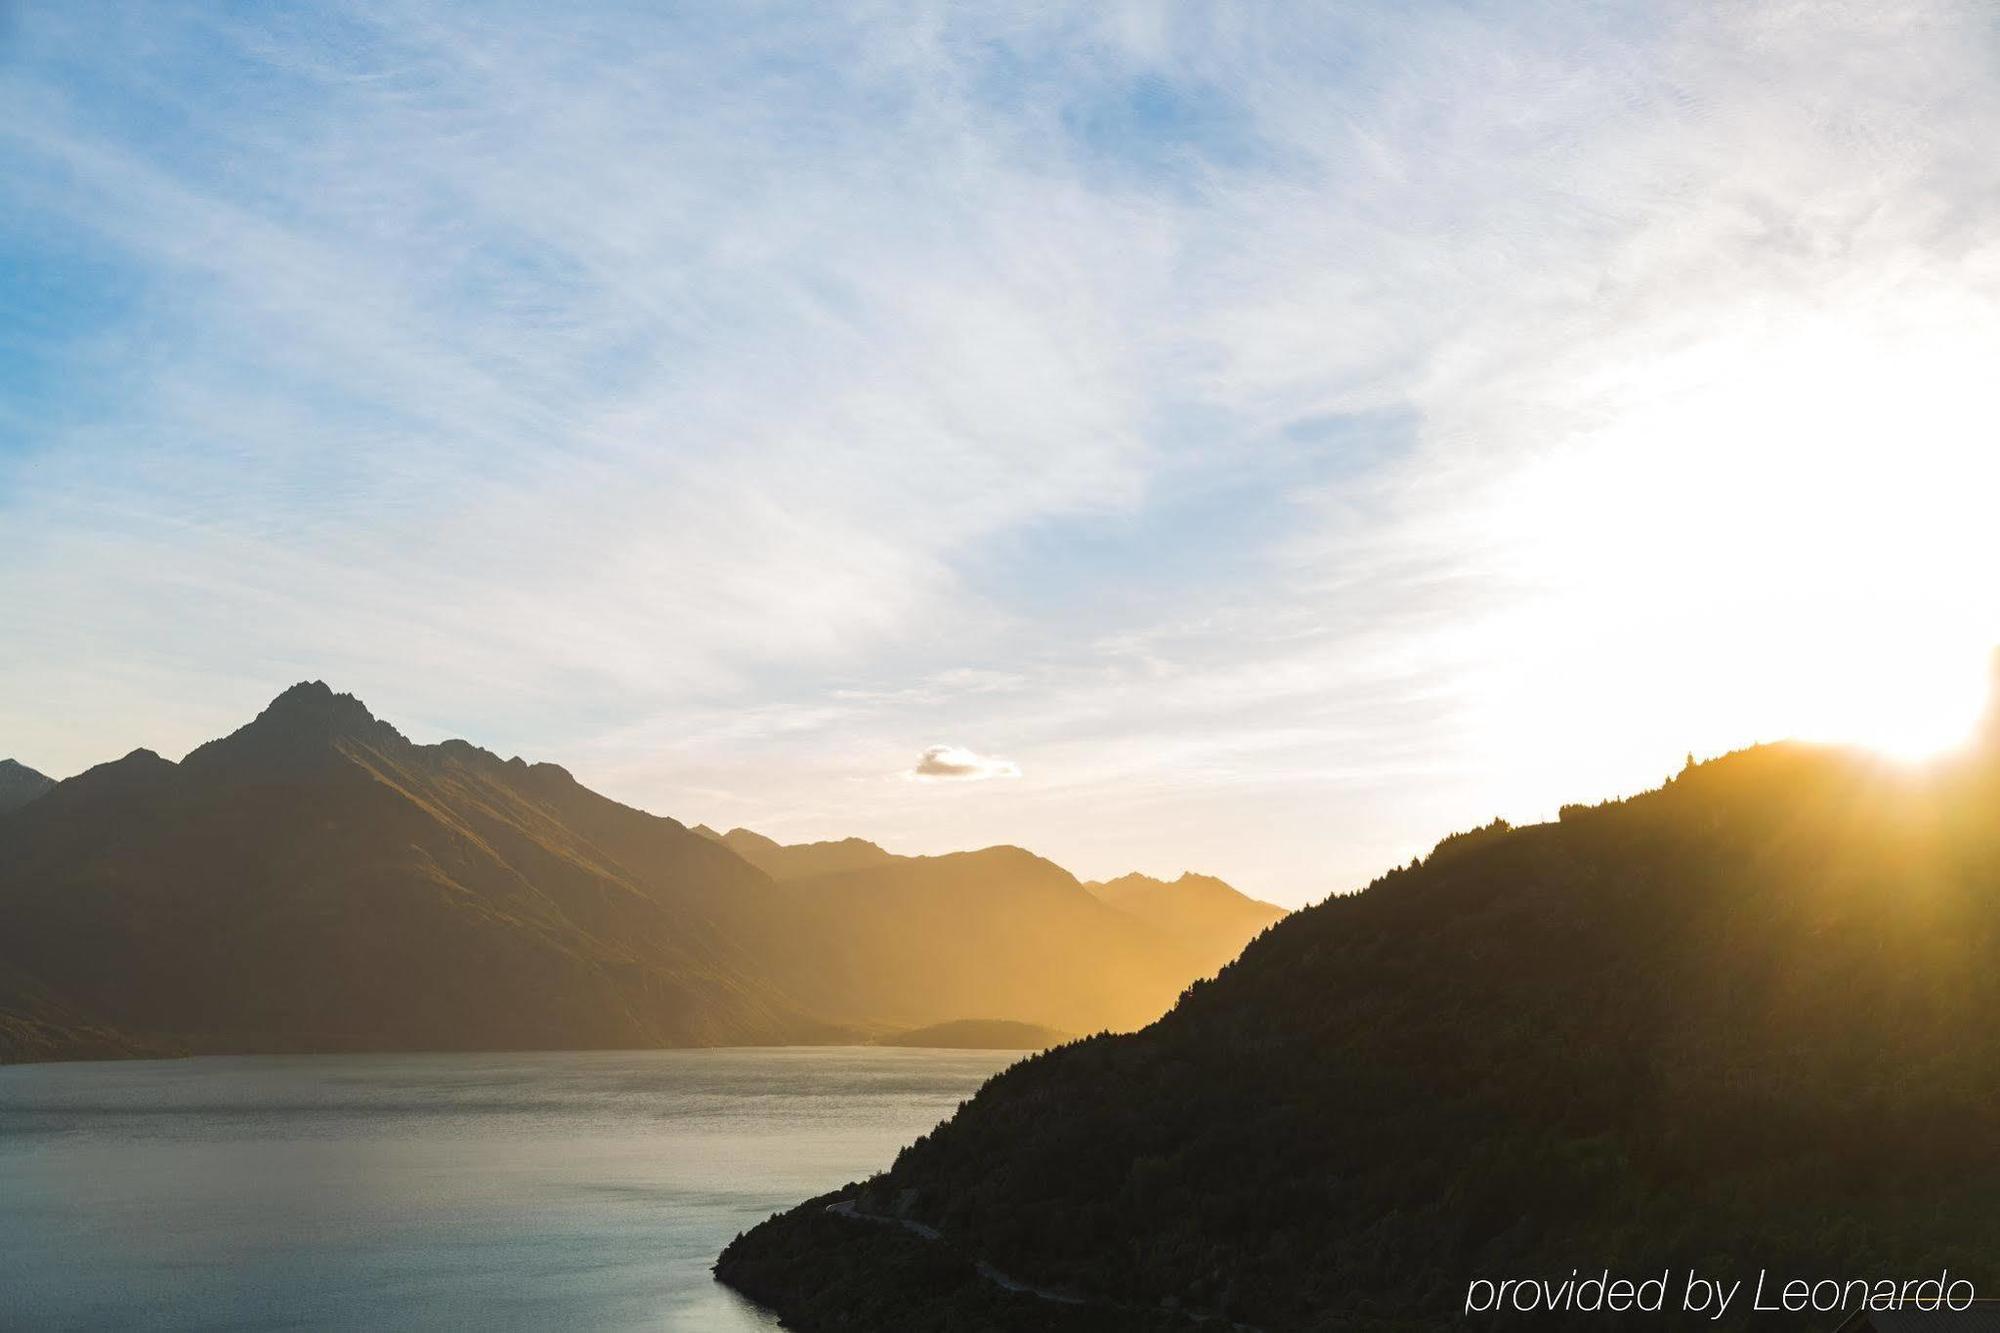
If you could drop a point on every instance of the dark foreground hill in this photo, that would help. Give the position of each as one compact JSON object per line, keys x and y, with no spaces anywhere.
{"x":315,"y":881}
{"x":1745,"y":1022}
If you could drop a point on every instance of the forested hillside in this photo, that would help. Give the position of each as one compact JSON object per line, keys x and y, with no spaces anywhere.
{"x":1745,"y":1022}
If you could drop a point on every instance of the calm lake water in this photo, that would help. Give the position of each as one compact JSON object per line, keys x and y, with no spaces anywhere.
{"x":578,"y":1191}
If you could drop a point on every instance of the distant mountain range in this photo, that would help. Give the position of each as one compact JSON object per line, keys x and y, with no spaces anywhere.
{"x":799,"y":860}
{"x":1745,"y":1022}
{"x":1200,"y":912}
{"x":316,"y":882}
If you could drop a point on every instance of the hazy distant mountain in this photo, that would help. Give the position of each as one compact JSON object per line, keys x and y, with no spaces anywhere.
{"x":980,"y":1034}
{"x":797,"y":860}
{"x":20,"y":784}
{"x":1211,"y":919}
{"x":1193,"y":925}
{"x":1742,"y":1022}
{"x":868,"y":935}
{"x":315,"y":881}
{"x":928,"y":939}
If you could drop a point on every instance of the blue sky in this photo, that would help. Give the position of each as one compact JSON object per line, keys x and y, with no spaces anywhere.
{"x":1275,"y":436}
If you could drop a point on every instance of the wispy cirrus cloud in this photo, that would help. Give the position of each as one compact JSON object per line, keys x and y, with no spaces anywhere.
{"x":1299,"y":432}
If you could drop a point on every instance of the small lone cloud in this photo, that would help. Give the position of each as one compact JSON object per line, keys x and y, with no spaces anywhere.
{"x":949,"y":763}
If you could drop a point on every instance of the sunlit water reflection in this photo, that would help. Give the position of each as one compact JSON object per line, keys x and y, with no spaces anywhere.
{"x":515,"y":1191}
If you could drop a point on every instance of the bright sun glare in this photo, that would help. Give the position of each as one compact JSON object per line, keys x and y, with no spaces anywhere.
{"x":1785,"y":531}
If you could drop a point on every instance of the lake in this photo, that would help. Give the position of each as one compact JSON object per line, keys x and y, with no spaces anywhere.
{"x":514,"y":1191}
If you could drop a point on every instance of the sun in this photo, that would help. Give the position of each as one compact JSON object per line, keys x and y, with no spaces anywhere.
{"x":1780,"y":527}
{"x":1909,"y":708}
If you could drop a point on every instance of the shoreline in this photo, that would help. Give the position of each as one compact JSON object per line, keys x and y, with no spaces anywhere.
{"x":166,"y":1057}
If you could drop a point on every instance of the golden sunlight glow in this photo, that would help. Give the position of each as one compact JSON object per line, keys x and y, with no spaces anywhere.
{"x":1787,"y":529}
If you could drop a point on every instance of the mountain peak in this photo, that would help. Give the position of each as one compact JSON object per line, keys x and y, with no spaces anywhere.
{"x":304,"y":723}
{"x":20,"y":784}
{"x":313,"y":704}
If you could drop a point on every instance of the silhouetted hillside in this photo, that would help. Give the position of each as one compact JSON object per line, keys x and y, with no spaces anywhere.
{"x":1742,"y":1022}
{"x":20,"y":784}
{"x":1206,"y":915}
{"x":315,"y":881}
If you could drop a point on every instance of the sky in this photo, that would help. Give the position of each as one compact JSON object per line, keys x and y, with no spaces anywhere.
{"x":1251,"y":439}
